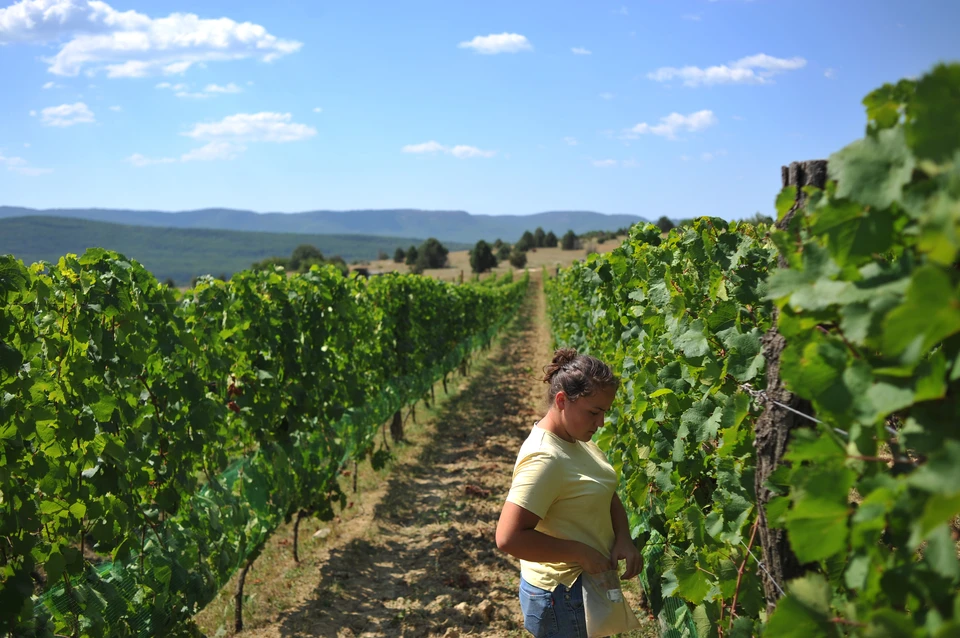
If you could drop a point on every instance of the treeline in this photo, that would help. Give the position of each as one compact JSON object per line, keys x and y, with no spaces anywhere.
{"x":300,"y":260}
{"x":430,"y":254}
{"x":485,"y":256}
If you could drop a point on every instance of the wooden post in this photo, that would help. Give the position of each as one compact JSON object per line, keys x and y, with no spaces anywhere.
{"x":396,"y":427}
{"x":775,"y":424}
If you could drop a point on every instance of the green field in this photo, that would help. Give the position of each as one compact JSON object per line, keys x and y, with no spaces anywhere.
{"x":178,"y":253}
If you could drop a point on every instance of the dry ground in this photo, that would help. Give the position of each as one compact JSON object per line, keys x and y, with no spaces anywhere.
{"x":536,"y":259}
{"x":414,"y":553}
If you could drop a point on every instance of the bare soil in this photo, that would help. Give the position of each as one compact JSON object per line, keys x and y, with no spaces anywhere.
{"x":415,"y":553}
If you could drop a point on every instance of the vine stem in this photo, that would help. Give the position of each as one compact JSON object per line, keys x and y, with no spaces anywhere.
{"x":743,"y":564}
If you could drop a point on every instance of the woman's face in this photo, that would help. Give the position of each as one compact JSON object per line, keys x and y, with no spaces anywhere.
{"x":583,"y":417}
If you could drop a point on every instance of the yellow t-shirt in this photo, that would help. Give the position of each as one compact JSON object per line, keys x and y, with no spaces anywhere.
{"x":570,"y":486}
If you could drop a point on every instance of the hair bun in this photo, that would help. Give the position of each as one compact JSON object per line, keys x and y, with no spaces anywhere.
{"x":563,"y":356}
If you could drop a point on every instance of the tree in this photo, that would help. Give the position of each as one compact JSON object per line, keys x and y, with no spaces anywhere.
{"x":270,"y":263}
{"x":550,"y":241}
{"x":399,"y":255}
{"x":526,"y":242}
{"x":518,"y":259}
{"x":432,"y":254}
{"x":382,"y":255}
{"x":539,"y":237}
{"x":411,"y":257}
{"x":169,"y":282}
{"x":569,"y":241}
{"x":304,"y":255}
{"x":497,"y":244}
{"x":482,"y":257}
{"x":759,"y":218}
{"x":503,"y":251}
{"x":664,"y":224}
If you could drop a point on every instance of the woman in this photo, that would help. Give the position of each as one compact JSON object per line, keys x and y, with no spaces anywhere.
{"x":563,"y":516}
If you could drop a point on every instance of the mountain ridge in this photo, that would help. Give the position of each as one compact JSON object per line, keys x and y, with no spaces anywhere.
{"x":445,"y":225}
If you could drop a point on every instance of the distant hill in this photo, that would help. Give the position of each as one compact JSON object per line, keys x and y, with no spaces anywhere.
{"x":179,"y":253}
{"x":444,"y":225}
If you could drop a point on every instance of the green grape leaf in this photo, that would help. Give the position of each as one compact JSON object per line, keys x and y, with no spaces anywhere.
{"x":933,"y":130}
{"x":103,"y":409}
{"x":692,"y":583}
{"x":929,"y":314}
{"x":873,"y":170}
{"x":811,"y":445}
{"x":817,"y":529}
{"x":785,"y":201}
{"x":693,"y":342}
{"x":886,"y":623}
{"x":804,"y":612}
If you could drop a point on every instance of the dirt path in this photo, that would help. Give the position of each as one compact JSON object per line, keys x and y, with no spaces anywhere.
{"x":416,"y":554}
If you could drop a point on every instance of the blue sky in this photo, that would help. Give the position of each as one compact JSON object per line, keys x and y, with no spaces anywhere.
{"x":645,"y":107}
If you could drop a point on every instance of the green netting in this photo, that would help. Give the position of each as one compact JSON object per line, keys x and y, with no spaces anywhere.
{"x":150,"y":593}
{"x":672,"y":613}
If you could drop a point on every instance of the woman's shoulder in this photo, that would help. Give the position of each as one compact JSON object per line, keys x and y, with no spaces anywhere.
{"x":544,"y":444}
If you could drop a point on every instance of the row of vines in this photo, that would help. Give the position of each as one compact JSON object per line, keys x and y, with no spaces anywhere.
{"x":150,"y":440}
{"x":869,"y":305}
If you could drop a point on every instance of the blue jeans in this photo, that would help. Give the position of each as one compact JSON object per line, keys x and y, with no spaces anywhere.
{"x":556,"y":614}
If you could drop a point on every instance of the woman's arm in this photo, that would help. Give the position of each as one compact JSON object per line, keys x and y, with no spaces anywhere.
{"x":516,"y":536}
{"x":623,"y":547}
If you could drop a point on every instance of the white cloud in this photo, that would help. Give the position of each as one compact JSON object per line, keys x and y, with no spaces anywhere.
{"x":694,"y":17}
{"x":581,"y":51}
{"x":216,"y":88}
{"x":630,"y":163}
{"x":460,"y":151}
{"x":710,"y":156}
{"x":738,"y":118}
{"x":253,"y":127}
{"x":570,"y":141}
{"x":97,"y":38}
{"x":214,"y":151}
{"x":622,"y":11}
{"x":22,"y":167}
{"x":607,"y":96}
{"x":66,"y":115}
{"x":26,"y":145}
{"x":498,"y":43}
{"x":33,"y":114}
{"x":140,"y":161}
{"x":604,"y":163}
{"x":754,"y":69}
{"x":317,"y":109}
{"x":684,"y":158}
{"x":226,"y":139}
{"x":670,"y":125}
{"x":425,"y":147}
{"x":116,"y":109}
{"x":52,"y":85}
{"x":182,"y":90}
{"x":830,"y":74}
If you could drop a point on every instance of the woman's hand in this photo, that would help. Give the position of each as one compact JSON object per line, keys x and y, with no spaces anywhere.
{"x":624,"y":549}
{"x":592,"y":561}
